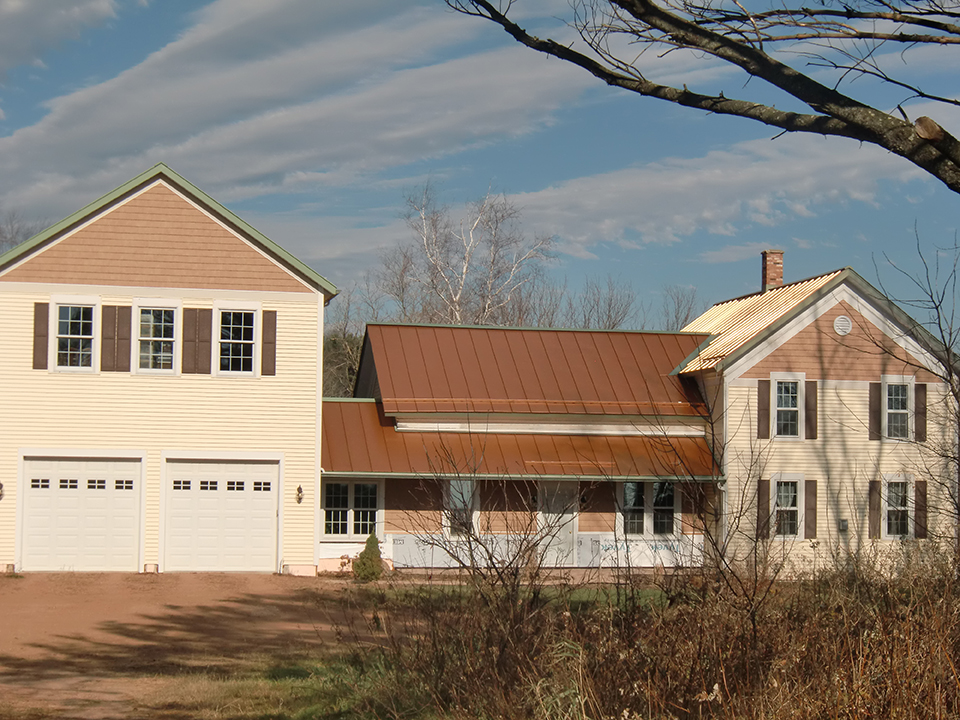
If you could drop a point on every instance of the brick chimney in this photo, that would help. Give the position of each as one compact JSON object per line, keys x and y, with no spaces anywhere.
{"x":772,"y":271}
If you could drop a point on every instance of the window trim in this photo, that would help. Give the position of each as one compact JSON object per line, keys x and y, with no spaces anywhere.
{"x":885,"y":382}
{"x":801,"y":380}
{"x":224,"y":306}
{"x":800,"y":480}
{"x":350,"y":536}
{"x":156,"y":304}
{"x":648,"y":511}
{"x":886,"y":479}
{"x":58,"y":301}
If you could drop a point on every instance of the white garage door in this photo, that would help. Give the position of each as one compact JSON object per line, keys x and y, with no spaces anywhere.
{"x":81,"y":514}
{"x":221,"y":516}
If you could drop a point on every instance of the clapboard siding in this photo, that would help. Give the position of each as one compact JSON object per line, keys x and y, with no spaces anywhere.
{"x":151,"y":413}
{"x":864,"y":354}
{"x":156,"y":239}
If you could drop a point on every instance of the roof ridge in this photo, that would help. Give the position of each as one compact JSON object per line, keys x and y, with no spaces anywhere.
{"x":785,"y":285}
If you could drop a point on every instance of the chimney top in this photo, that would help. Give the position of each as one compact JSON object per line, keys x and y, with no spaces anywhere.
{"x":771,"y":275}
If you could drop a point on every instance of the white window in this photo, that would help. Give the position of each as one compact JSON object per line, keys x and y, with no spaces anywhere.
{"x":156,"y":338}
{"x":897,"y":407}
{"x":350,"y":508}
{"x":788,"y":408}
{"x":75,"y":333}
{"x":460,"y":506}
{"x":896,"y":520}
{"x":787,"y":401}
{"x":786,"y":504}
{"x":649,"y":508}
{"x":237,"y":341}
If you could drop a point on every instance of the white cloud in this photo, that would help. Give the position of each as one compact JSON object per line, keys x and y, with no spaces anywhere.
{"x":756,"y":182}
{"x":30,"y":27}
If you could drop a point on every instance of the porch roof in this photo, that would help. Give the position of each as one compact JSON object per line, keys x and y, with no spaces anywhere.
{"x":358,"y":439}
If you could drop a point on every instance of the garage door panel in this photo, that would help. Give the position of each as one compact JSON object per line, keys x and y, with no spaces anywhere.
{"x":216,"y":521}
{"x":76,"y":518}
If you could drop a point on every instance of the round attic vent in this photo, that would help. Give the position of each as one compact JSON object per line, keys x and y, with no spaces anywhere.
{"x":842,"y":325}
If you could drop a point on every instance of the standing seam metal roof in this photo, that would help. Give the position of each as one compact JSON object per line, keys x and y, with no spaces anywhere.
{"x":422,"y":368}
{"x":734,"y":322}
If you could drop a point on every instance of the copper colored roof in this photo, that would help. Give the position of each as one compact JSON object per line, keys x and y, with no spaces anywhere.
{"x":357,"y":438}
{"x":733,"y":323}
{"x":441,"y":369}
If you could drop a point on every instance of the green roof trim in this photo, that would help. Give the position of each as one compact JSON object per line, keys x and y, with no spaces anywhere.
{"x":161,"y":171}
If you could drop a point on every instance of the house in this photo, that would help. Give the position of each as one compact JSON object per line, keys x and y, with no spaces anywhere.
{"x":162,"y":382}
{"x":834,"y":425}
{"x":806,"y":416}
{"x":584,"y":439}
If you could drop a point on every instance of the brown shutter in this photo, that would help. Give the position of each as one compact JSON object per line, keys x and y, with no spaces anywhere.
{"x":41,"y":335}
{"x":268,"y":343}
{"x":763,"y":409}
{"x":188,"y":365}
{"x":810,"y":410}
{"x":810,"y":510}
{"x":124,"y":313}
{"x":920,"y":412}
{"x":197,"y":331}
{"x":204,"y":340}
{"x":115,"y":338}
{"x":920,"y":510}
{"x":873,"y":504}
{"x":874,"y":416}
{"x":763,"y":507}
{"x":108,"y":338}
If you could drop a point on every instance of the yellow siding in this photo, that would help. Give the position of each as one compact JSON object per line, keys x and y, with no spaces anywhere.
{"x":843,"y":460}
{"x":194,"y":413}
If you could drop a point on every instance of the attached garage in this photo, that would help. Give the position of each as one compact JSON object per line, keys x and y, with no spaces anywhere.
{"x":221,"y":516}
{"x":81,"y":514}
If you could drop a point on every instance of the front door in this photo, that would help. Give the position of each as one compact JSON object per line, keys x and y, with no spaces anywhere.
{"x":558,"y":517}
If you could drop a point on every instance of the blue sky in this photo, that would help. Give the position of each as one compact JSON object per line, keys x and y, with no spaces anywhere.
{"x":312,"y":119}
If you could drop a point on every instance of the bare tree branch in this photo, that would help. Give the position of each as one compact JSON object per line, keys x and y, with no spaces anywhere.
{"x":734,"y":35}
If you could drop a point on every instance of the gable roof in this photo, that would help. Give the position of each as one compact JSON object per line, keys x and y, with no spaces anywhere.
{"x":737,"y":325}
{"x":162,"y":172}
{"x":436,"y":369}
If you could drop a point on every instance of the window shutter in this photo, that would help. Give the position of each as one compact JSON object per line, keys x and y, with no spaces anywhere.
{"x":920,"y":412}
{"x":41,"y":335}
{"x":873,"y":503}
{"x":810,"y":410}
{"x":874,"y":415}
{"x":810,"y":510}
{"x":197,"y":345}
{"x":108,"y":338}
{"x":763,"y":507}
{"x":268,"y":343}
{"x":763,"y":409}
{"x":920,"y":510}
{"x":115,"y":338}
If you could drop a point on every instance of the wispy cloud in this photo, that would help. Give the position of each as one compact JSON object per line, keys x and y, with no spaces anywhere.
{"x":30,"y":27}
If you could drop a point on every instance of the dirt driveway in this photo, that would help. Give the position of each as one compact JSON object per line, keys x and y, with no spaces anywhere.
{"x":91,"y":645}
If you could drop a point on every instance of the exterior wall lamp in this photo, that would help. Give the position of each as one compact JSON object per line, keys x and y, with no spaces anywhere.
{"x":299,"y":494}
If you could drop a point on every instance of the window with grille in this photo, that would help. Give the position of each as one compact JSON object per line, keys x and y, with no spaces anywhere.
{"x":75,"y":336}
{"x":350,"y":508}
{"x":156,"y":339}
{"x":788,"y":408}
{"x":787,"y":508}
{"x":898,"y":411}
{"x":236,"y":341}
